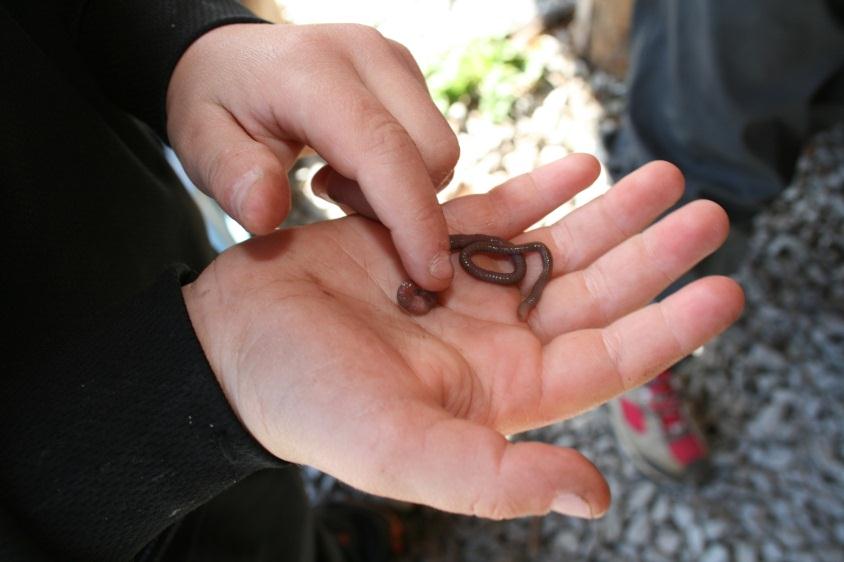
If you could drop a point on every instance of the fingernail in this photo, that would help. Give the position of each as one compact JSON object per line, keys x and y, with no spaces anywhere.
{"x":572,"y":504}
{"x":440,"y":267}
{"x":241,"y":190}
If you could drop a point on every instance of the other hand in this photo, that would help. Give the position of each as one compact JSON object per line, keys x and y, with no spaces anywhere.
{"x":244,"y":99}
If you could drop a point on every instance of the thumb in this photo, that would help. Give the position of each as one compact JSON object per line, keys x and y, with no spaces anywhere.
{"x":463,"y":467}
{"x":243,"y":175}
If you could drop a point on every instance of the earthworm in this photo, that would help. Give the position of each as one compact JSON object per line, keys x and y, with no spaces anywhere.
{"x":417,"y":301}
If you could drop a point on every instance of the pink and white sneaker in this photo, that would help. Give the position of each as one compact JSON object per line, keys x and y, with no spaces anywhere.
{"x":654,"y":428}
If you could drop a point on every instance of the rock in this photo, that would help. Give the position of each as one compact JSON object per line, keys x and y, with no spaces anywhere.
{"x":611,"y":526}
{"x":832,"y":506}
{"x":668,"y":541}
{"x":521,"y":160}
{"x":791,"y":539}
{"x":771,"y":552}
{"x":551,"y":153}
{"x":714,"y":529}
{"x":660,"y":510}
{"x":651,"y":555}
{"x":775,"y":457}
{"x":716,"y":553}
{"x":838,"y":532}
{"x":638,"y":532}
{"x":683,"y":516}
{"x":695,"y":540}
{"x":641,"y":496}
{"x":744,"y":552}
{"x":568,"y":542}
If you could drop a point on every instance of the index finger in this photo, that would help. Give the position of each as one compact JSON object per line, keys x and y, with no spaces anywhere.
{"x":369,"y":145}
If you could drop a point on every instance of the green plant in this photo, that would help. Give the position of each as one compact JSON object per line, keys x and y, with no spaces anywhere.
{"x":489,"y":74}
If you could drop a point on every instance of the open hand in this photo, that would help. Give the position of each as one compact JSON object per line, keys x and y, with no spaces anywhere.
{"x":323,"y":368}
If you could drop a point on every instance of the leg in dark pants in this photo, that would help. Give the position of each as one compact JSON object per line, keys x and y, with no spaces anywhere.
{"x":729,"y":92}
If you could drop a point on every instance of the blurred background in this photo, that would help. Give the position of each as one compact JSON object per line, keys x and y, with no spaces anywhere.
{"x":525,"y":82}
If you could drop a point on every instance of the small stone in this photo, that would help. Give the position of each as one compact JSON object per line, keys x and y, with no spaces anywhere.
{"x":753,"y":519}
{"x":793,"y":540}
{"x":683,"y":515}
{"x":745,"y":552}
{"x":660,"y":510}
{"x":762,"y":482}
{"x":715,"y":553}
{"x":767,"y":421}
{"x":828,"y":554}
{"x":771,"y":552}
{"x":641,"y":496}
{"x":829,"y":505}
{"x":695,"y":539}
{"x":651,"y":555}
{"x":567,"y":542}
{"x":778,"y":458}
{"x":551,"y":153}
{"x":457,"y":111}
{"x":611,"y":526}
{"x":639,"y":531}
{"x":838,"y":532}
{"x":668,"y":541}
{"x":714,"y":529}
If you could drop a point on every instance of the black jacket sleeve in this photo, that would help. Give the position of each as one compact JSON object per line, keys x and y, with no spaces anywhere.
{"x":137,"y":432}
{"x":130,"y":47}
{"x":112,"y":425}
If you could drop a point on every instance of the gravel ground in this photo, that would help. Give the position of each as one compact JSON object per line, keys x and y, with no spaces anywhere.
{"x":770,"y":391}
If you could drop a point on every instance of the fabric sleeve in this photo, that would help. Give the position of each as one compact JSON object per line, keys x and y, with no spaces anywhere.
{"x":122,"y":431}
{"x":132,"y":46}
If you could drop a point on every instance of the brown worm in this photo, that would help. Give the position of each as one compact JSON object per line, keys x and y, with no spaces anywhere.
{"x":417,"y":301}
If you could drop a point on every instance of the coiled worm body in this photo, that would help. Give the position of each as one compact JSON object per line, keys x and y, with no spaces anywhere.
{"x":417,"y":301}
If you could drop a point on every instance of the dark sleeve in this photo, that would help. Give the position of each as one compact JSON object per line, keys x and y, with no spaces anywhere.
{"x":132,"y":46}
{"x":133,"y":434}
{"x":129,"y":47}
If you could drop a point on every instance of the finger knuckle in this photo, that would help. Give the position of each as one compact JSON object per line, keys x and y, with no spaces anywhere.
{"x":496,"y":213}
{"x":366,"y":33}
{"x":599,"y":289}
{"x":497,"y":508}
{"x":388,"y":140}
{"x":401,"y":50}
{"x":613,"y":353}
{"x":425,"y":215}
{"x":447,"y":154}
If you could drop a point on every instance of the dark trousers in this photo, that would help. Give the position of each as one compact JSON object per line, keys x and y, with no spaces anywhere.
{"x":730,"y":91}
